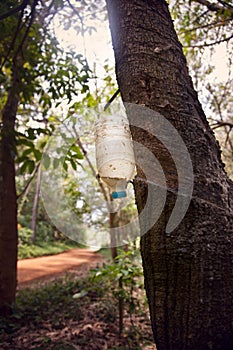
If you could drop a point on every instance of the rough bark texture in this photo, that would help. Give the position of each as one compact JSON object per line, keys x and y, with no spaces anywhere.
{"x":8,"y":200}
{"x":188,"y":274}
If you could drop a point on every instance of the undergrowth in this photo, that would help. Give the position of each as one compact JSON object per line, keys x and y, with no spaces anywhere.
{"x":26,"y":251}
{"x":72,"y":313}
{"x":45,"y":244}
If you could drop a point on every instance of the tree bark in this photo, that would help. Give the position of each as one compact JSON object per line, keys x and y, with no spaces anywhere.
{"x":113,"y":244}
{"x":188,"y":273}
{"x":8,"y":199}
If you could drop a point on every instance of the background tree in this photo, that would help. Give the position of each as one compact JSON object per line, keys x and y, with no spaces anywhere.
{"x":29,"y":56}
{"x":188,"y":274}
{"x":205,"y":31}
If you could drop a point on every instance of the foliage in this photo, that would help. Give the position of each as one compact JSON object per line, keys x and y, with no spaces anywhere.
{"x":43,"y":304}
{"x":124,"y":279}
{"x":29,"y":250}
{"x":48,"y":242}
{"x":49,"y":317}
{"x":127,"y":267}
{"x":45,"y":81}
{"x":54,"y":85}
{"x":205,"y":30}
{"x":199,"y":25}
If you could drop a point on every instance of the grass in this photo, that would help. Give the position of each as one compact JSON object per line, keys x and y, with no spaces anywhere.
{"x":26,"y":251}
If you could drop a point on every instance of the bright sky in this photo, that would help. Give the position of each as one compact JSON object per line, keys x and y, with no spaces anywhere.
{"x":98,"y":48}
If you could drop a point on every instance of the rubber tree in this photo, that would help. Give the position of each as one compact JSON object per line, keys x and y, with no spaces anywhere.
{"x":188,"y":273}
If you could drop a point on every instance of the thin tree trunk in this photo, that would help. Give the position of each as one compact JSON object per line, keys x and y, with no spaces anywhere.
{"x":8,"y":200}
{"x":114,"y":253}
{"x":112,"y":224}
{"x":188,"y":274}
{"x":35,"y":205}
{"x":113,"y":248}
{"x":121,"y":306}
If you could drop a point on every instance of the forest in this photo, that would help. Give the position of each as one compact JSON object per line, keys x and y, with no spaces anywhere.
{"x":116,"y":169}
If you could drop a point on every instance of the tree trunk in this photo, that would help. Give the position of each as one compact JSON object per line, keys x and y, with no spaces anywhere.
{"x":188,"y":273}
{"x":113,"y":244}
{"x":8,"y":200}
{"x":35,"y":205}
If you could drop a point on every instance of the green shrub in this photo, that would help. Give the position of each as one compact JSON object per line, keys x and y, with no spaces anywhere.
{"x":26,"y":251}
{"x":123,"y":279}
{"x":25,"y":235}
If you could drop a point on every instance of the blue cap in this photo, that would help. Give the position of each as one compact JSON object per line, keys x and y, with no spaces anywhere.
{"x":120,"y":194}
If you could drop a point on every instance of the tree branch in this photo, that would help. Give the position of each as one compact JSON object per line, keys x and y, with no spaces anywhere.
{"x":221,"y":124}
{"x":29,"y":182}
{"x":15,"y":10}
{"x":14,"y":38}
{"x":82,"y":28}
{"x":210,"y":44}
{"x":212,"y":24}
{"x":47,"y":12}
{"x":84,"y":152}
{"x":32,"y":15}
{"x":215,"y":7}
{"x":224,"y":3}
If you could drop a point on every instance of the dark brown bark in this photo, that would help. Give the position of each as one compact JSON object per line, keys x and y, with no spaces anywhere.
{"x":113,"y":244}
{"x":188,"y":273}
{"x":8,"y":199}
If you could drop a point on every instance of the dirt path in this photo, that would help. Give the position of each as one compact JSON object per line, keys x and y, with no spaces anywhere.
{"x":44,"y":268}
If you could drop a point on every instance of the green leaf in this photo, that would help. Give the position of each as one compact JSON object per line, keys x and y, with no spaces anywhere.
{"x":30,"y":166}
{"x":31,"y":134}
{"x":65,"y":166}
{"x":23,"y":168}
{"x":76,"y":150}
{"x":46,"y":161}
{"x":73,"y":164}
{"x":37,"y":154}
{"x":56,"y":163}
{"x":26,"y":142}
{"x":43,"y":144}
{"x":26,"y":153}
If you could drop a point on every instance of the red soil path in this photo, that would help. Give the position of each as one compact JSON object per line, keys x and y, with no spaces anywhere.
{"x":77,"y":261}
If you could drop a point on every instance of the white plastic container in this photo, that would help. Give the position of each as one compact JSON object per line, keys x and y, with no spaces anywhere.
{"x":114,"y":153}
